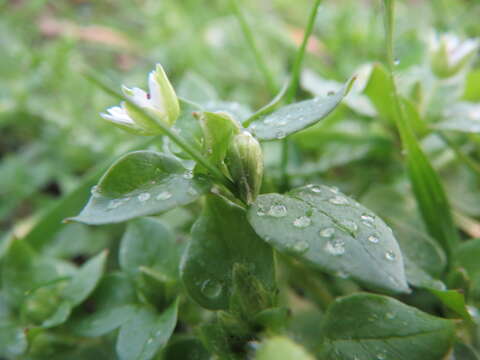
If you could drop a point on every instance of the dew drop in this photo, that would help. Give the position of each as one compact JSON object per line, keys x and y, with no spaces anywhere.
{"x":280,"y":135}
{"x":114,"y":204}
{"x":302,"y":222}
{"x":277,"y":211}
{"x":164,"y":195}
{"x":301,"y":246}
{"x":188,"y":174}
{"x":390,"y":255}
{"x":95,"y":191}
{"x":338,"y":200}
{"x":150,"y":341}
{"x":390,"y":316}
{"x":316,"y":189}
{"x":192,"y":191}
{"x":335,"y":247}
{"x":327,"y":232}
{"x":373,"y":239}
{"x":349,"y":225}
{"x":211,"y":288}
{"x":396,"y":62}
{"x":367,"y":220}
{"x":143,"y":197}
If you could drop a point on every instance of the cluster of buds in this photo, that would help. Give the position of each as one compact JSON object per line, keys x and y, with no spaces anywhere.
{"x":160,"y":101}
{"x":449,"y":55}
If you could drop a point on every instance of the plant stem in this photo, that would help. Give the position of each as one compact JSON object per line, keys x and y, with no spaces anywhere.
{"x":297,"y":65}
{"x":247,"y":32}
{"x":293,"y":86}
{"x":178,"y":140}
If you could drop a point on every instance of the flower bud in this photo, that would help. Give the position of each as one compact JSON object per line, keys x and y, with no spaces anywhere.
{"x":449,"y":54}
{"x":245,"y":164}
{"x":161,"y":101}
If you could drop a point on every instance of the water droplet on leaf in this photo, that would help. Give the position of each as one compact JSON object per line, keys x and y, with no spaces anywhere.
{"x":327,"y":232}
{"x":301,"y":246}
{"x":302,"y":222}
{"x":338,"y":200}
{"x":188,"y":174}
{"x":335,"y":247}
{"x":143,"y":197}
{"x":373,"y":239}
{"x":277,"y":211}
{"x":390,"y":255}
{"x":164,"y":195}
{"x":211,"y":288}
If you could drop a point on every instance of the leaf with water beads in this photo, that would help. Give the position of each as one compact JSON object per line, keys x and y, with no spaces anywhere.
{"x":141,"y":183}
{"x":340,"y":235}
{"x":221,"y":240}
{"x":297,"y":116}
{"x":368,"y":326}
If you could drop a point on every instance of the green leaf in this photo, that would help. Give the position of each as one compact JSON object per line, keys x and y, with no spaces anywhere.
{"x":51,"y":220}
{"x":371,"y":326}
{"x":222,"y":239}
{"x":23,"y":270}
{"x":325,"y":229}
{"x":113,"y":298}
{"x":148,"y":243}
{"x":218,"y":130}
{"x":104,"y":321}
{"x":86,"y":279}
{"x":138,"y":184}
{"x":281,"y":348}
{"x":428,"y":190}
{"x":454,"y":300}
{"x":141,"y":337}
{"x":298,"y":116}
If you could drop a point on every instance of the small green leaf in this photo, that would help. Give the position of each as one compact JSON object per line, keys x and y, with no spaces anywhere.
{"x":85,"y":281}
{"x":325,"y":229}
{"x":146,"y":332}
{"x":222,"y":238}
{"x":138,"y":184}
{"x":218,"y":130}
{"x":23,"y":271}
{"x":281,"y":348}
{"x":104,"y":321}
{"x":371,"y":326}
{"x":148,"y":243}
{"x":454,"y":300}
{"x":298,"y":116}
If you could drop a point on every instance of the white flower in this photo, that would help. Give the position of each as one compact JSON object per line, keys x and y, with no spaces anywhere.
{"x":161,"y":101}
{"x":450,"y":54}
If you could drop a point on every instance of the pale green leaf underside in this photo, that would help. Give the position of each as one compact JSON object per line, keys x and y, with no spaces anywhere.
{"x":323,"y":228}
{"x":297,"y":116}
{"x":141,"y":183}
